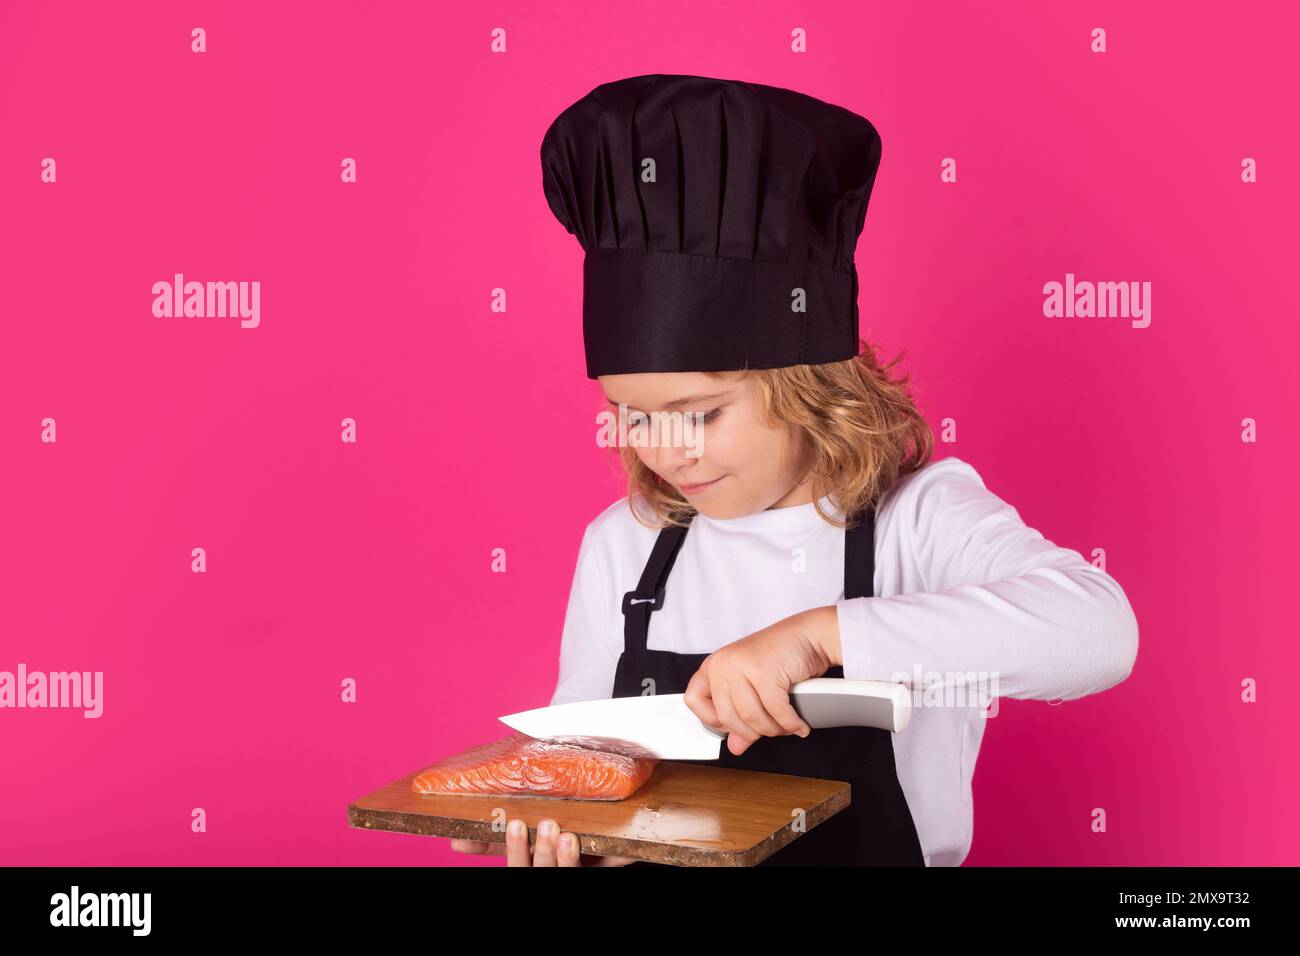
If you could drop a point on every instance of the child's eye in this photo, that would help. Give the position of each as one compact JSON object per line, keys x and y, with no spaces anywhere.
{"x":711,"y":415}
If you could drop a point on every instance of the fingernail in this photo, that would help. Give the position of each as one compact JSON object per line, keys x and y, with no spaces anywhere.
{"x":569,"y":841}
{"x":546,"y":828}
{"x":515,"y":828}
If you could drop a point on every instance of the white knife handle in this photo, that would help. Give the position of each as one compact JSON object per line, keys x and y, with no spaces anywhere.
{"x":840,"y":702}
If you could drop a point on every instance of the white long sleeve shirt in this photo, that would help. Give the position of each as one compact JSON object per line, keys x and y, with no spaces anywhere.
{"x":962,"y":587}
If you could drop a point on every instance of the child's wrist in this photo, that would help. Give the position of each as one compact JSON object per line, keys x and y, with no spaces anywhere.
{"x":822,"y":626}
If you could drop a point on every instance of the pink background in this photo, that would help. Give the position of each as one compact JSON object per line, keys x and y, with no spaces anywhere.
{"x":476,"y":429}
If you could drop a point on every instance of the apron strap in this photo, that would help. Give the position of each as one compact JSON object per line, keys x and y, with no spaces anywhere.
{"x":860,"y":555}
{"x":649,"y":593}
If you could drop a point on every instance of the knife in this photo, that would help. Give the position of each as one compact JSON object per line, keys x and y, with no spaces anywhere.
{"x":662,"y":726}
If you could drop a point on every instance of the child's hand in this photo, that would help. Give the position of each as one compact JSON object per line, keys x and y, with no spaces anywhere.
{"x":744,"y":687}
{"x":553,"y":848}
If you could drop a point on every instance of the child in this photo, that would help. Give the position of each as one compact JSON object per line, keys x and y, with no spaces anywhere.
{"x":823,"y":541}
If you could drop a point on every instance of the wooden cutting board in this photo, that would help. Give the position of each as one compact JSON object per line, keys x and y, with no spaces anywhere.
{"x":686,"y":814}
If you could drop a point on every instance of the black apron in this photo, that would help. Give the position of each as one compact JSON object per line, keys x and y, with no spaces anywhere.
{"x":876,"y":829}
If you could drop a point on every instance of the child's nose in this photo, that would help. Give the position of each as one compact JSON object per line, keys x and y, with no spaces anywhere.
{"x":671,"y":458}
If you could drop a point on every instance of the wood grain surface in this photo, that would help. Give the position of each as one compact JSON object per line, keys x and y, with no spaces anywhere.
{"x":685,"y":815}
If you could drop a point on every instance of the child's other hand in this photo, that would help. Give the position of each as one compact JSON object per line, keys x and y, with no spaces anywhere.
{"x":553,"y":848}
{"x":744,"y":687}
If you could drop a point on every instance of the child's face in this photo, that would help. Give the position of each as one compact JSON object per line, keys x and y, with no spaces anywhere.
{"x":745,"y":466}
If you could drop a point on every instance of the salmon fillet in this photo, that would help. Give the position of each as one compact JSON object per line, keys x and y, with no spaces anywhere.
{"x":520,"y":766}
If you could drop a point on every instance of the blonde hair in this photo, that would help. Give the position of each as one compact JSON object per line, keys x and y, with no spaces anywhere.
{"x":863,"y":430}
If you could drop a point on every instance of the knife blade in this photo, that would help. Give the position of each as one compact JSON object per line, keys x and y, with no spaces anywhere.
{"x":663,"y":726}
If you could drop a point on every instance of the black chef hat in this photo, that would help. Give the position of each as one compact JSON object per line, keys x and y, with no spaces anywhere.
{"x":758,"y":192}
